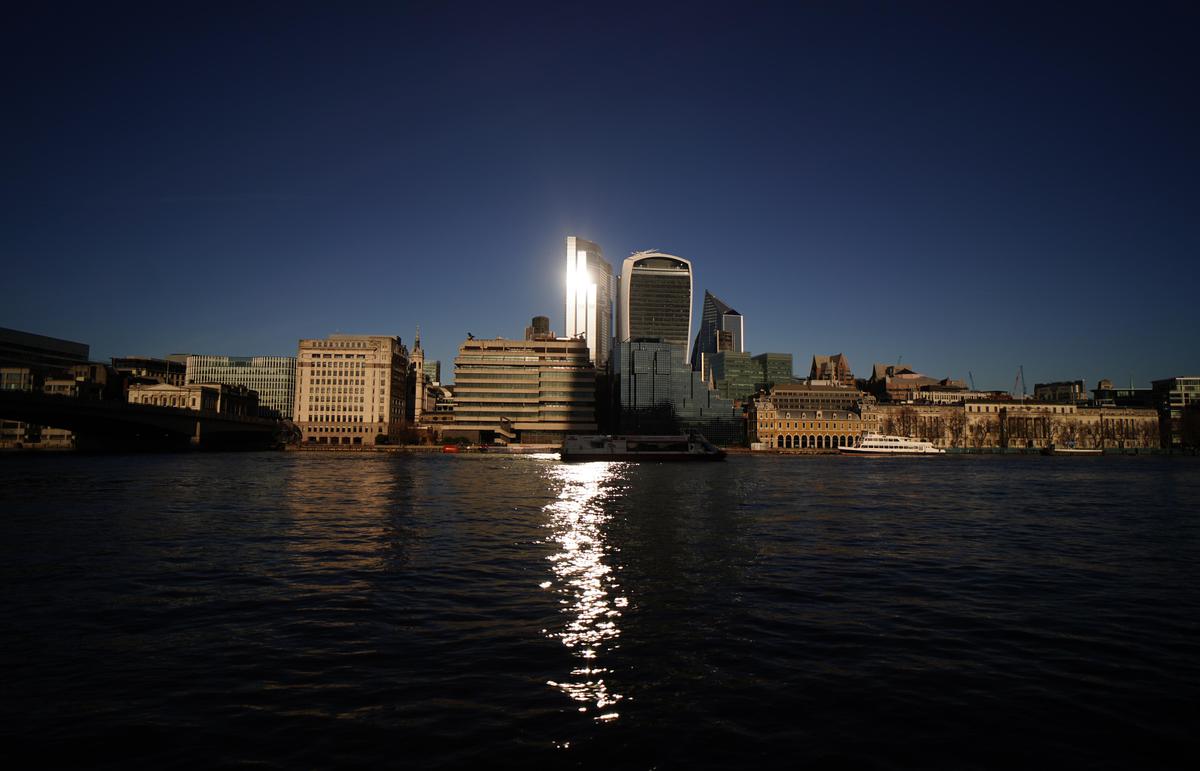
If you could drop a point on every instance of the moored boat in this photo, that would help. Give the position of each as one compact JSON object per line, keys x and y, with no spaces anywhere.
{"x":1054,"y":449}
{"x":683,"y":447}
{"x":882,"y":444}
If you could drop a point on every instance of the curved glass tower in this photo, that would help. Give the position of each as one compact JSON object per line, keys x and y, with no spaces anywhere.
{"x":654,"y":299}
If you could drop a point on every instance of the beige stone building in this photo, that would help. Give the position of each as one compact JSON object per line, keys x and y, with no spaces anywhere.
{"x":532,"y":391}
{"x":1020,"y":425}
{"x":787,"y":428}
{"x":233,"y":401}
{"x":351,"y":390}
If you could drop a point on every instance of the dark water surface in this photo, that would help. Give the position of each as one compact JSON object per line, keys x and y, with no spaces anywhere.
{"x":283,"y":610}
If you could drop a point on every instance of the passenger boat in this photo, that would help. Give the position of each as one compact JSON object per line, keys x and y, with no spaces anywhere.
{"x":1071,"y":449}
{"x":881,"y":444}
{"x":689,"y":447}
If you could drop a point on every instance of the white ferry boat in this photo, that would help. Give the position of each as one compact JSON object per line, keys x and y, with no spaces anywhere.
{"x":881,"y":444}
{"x":693,"y":447}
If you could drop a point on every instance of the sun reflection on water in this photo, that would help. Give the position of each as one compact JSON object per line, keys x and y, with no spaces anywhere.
{"x":585,"y":582}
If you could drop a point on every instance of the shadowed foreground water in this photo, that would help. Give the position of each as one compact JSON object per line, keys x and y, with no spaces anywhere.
{"x":285,"y":610}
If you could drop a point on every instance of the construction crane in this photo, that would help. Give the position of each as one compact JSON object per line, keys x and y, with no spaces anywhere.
{"x":1020,"y":378}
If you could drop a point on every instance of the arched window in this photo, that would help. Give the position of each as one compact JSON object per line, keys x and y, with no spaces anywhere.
{"x":779,"y":441}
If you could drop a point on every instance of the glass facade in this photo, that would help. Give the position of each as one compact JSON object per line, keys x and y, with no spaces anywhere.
{"x":273,"y":377}
{"x":657,"y":392}
{"x":776,"y":368}
{"x":735,"y":374}
{"x":656,"y":299}
{"x":721,"y":329}
{"x":589,"y":306}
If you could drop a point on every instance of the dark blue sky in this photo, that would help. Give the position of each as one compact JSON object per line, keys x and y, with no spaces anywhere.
{"x":969,"y":187}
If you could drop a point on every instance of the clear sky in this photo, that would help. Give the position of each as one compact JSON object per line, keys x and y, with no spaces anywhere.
{"x":969,"y":187}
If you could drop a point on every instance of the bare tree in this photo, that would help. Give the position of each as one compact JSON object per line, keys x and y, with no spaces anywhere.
{"x":957,"y":425}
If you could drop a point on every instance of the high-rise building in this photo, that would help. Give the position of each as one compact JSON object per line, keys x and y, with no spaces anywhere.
{"x":776,"y":368}
{"x":351,"y":389}
{"x":273,"y":377}
{"x":657,"y":392}
{"x":532,"y":391}
{"x":721,"y":329}
{"x":654,"y":300}
{"x":733,"y":373}
{"x":589,"y":306}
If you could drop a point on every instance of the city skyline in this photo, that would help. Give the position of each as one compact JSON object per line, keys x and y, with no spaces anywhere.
{"x":1016,"y":182}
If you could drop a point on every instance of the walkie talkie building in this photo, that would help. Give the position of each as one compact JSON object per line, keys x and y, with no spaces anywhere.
{"x":655,"y":299}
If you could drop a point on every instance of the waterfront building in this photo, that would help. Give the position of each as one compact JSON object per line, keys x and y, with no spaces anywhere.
{"x":654,"y":299}
{"x":529,"y":391}
{"x":351,"y":390}
{"x":589,"y":300}
{"x":148,"y":369}
{"x":272,"y":377}
{"x":807,"y":395}
{"x":219,"y":398}
{"x":1178,"y":402}
{"x":721,"y":329}
{"x":1021,"y":425}
{"x":776,"y":368}
{"x":835,"y":369}
{"x":1061,"y":392}
{"x":657,"y":392}
{"x":792,"y":429}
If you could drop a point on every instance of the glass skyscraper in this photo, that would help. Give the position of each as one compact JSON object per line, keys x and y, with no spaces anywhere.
{"x":655,"y":299}
{"x":657,"y":392}
{"x":589,"y":306}
{"x":721,"y":329}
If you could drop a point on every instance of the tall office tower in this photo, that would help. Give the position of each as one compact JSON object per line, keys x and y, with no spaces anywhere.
{"x":351,"y":389}
{"x":721,"y":329}
{"x":589,"y":305}
{"x":655,"y":299}
{"x":273,"y":377}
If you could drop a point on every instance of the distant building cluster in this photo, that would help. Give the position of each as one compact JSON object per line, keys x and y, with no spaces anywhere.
{"x":629,"y":360}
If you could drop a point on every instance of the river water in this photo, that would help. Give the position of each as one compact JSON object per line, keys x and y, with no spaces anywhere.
{"x":304,"y":609}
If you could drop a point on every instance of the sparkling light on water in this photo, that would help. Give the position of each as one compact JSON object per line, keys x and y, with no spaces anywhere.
{"x":585,"y":583}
